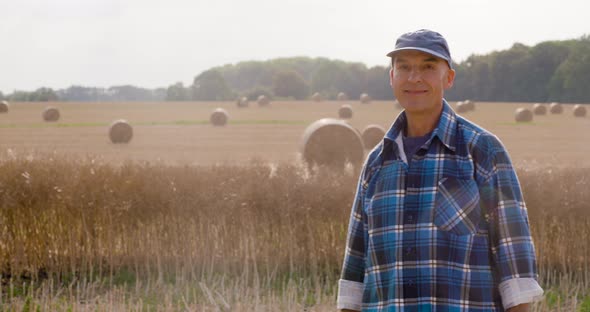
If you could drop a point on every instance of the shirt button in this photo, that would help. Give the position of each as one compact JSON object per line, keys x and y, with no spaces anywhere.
{"x":409,"y":250}
{"x":410,"y":218}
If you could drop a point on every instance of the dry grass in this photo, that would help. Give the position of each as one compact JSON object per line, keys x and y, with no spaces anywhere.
{"x":153,"y":225}
{"x":86,"y":235}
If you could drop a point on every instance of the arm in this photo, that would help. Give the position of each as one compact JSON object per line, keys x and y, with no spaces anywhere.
{"x":511,"y":243}
{"x":350,"y":290}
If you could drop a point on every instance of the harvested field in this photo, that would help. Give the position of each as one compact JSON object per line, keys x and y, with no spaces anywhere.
{"x":180,"y":133}
{"x":82,"y":235}
{"x":86,"y":230}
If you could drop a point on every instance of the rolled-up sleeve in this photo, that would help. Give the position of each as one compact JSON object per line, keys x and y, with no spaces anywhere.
{"x":351,"y":285}
{"x":511,"y":243}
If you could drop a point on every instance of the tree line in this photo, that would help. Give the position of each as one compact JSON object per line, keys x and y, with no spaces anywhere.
{"x":548,"y":71}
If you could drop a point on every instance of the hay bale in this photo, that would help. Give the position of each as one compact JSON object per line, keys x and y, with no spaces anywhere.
{"x":316,"y":97}
{"x":345,"y":111}
{"x":372,"y":135}
{"x":120,"y":131}
{"x":462,"y":107}
{"x":539,"y":109}
{"x":555,"y":108}
{"x":469,"y":105}
{"x":263,"y":100}
{"x":342,"y":96}
{"x":4,"y":107}
{"x":51,"y":114}
{"x":523,"y":115}
{"x":579,"y":110}
{"x":242,"y":102}
{"x":219,"y":117}
{"x":365,"y":98}
{"x":332,"y":142}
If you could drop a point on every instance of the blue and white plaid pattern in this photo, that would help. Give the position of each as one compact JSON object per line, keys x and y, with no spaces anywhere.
{"x":443,"y":232}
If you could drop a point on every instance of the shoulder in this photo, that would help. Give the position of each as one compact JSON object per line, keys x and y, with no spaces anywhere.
{"x":486,"y":149}
{"x":477,"y":138}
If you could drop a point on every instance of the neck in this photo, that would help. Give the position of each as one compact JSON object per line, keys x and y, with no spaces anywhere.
{"x":421,"y":124}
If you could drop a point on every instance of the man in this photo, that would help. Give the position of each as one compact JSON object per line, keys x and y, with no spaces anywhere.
{"x":438,"y":222}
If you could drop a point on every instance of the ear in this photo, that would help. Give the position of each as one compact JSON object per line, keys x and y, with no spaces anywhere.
{"x":391,"y":77}
{"x":450,"y":78}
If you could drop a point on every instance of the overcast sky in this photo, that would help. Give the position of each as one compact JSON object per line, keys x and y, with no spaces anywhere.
{"x":152,"y":43}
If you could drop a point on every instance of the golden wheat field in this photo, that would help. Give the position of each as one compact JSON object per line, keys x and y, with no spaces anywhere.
{"x":191,"y":217}
{"x":180,"y":133}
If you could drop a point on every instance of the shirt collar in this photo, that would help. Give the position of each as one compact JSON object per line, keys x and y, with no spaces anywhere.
{"x":445,"y":129}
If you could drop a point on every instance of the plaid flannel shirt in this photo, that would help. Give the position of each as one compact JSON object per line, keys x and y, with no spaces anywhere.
{"x":444,"y":231}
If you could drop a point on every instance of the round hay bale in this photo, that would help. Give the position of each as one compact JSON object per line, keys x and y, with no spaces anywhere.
{"x":462,"y":107}
{"x":263,"y":100}
{"x":579,"y":110}
{"x":316,"y":97}
{"x":372,"y":135}
{"x":242,"y":102}
{"x":365,"y":98}
{"x":345,"y":111}
{"x":219,"y":117}
{"x":3,"y":107}
{"x":332,"y":142}
{"x":523,"y":115}
{"x":51,"y":114}
{"x":342,"y":96}
{"x":120,"y":131}
{"x":539,"y":109}
{"x":469,"y":105}
{"x":555,"y":108}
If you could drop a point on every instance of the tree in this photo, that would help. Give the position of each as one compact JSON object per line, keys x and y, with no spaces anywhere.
{"x":43,"y":95}
{"x":332,"y":77}
{"x":570,"y":82}
{"x":177,"y":92}
{"x":290,"y":84}
{"x":211,"y":86}
{"x":378,"y":83}
{"x":130,"y":93}
{"x":82,"y":94}
{"x":253,"y":94}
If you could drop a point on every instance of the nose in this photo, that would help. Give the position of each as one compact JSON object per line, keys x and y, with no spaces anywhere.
{"x":415,"y":75}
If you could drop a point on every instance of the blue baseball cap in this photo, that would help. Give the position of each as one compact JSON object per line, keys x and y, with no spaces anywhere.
{"x":424,"y":40}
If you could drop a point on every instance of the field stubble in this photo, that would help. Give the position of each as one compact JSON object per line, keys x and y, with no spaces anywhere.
{"x":87,"y":225}
{"x":179,"y":133}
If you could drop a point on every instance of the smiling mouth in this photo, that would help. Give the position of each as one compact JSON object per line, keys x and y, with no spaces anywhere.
{"x":415,"y":92}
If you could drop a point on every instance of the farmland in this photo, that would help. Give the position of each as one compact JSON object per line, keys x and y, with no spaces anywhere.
{"x":155,"y":225}
{"x":180,"y":133}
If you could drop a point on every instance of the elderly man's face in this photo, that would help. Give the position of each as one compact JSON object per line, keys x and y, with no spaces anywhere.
{"x":418,"y":80}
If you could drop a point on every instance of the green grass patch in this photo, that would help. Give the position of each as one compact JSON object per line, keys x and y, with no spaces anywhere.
{"x":153,"y":123}
{"x":585,"y":304}
{"x":552,"y":298}
{"x":269,"y":122}
{"x":530,"y":123}
{"x":79,"y":124}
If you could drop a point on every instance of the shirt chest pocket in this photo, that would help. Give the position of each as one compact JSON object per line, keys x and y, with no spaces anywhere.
{"x":456,"y":206}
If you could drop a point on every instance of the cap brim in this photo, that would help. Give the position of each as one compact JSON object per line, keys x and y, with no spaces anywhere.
{"x":392,"y":53}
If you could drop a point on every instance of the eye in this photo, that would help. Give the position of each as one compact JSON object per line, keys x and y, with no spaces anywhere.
{"x":403,"y":67}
